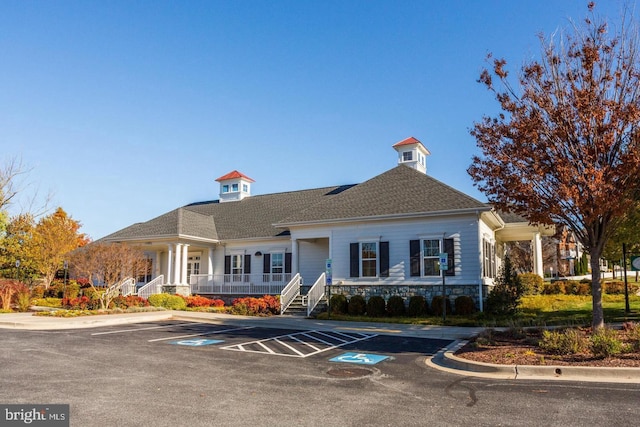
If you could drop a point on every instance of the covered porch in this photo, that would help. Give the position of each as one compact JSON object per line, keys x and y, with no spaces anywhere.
{"x":521,"y":231}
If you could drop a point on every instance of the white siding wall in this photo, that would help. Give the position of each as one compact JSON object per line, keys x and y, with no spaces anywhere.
{"x":464,"y":230}
{"x":313,"y":255}
{"x":249,"y":248}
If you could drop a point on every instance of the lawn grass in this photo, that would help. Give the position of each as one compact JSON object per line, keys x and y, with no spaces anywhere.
{"x":535,"y":310}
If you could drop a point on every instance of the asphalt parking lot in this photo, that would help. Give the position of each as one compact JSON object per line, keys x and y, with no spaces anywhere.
{"x":177,"y":373}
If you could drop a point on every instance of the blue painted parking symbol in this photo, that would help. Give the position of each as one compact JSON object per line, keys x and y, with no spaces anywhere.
{"x":197,"y":342}
{"x":359,"y":358}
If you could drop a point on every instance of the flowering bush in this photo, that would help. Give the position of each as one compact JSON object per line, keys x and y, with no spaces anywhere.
{"x":265,"y":306}
{"x":199,"y":301}
{"x":129,"y":301}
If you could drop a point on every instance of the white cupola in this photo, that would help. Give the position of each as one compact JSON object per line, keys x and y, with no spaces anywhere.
{"x":412,"y":153}
{"x":234,"y":186}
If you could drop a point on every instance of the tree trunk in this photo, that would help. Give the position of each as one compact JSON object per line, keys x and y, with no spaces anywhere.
{"x":596,"y":291}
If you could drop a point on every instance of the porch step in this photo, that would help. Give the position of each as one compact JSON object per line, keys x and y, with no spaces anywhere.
{"x":296,"y":308}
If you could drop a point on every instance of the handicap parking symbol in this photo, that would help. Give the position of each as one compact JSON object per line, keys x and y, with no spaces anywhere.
{"x":359,"y":358}
{"x":196,"y":342}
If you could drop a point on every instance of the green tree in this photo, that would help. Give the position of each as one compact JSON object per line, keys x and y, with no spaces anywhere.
{"x":505,"y":296}
{"x":565,"y":148}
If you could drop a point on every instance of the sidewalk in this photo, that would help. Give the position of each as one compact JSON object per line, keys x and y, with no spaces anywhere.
{"x":444,"y":360}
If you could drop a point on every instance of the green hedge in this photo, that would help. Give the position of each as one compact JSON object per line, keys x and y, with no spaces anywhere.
{"x":171,"y":302}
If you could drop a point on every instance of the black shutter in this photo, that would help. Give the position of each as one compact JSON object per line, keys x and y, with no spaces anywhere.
{"x":247,"y":264}
{"x":354,"y":260}
{"x":451,"y":264}
{"x":384,"y":259}
{"x":227,"y":264}
{"x":266,"y":263}
{"x":287,"y":262}
{"x":414,"y":258}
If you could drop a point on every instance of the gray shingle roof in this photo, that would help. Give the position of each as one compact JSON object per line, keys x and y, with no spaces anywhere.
{"x":399,"y":191}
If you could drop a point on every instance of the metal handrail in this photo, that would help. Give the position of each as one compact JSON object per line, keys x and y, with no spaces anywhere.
{"x":151,"y":288}
{"x":316,"y":293}
{"x":290,"y":292}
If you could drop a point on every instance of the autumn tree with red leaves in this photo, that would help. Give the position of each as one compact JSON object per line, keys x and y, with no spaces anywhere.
{"x":565,"y":149}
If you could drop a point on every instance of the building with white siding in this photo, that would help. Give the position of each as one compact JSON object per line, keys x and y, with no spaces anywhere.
{"x":381,"y":237}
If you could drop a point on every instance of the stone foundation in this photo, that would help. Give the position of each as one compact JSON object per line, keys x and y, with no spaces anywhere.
{"x":407,"y":291}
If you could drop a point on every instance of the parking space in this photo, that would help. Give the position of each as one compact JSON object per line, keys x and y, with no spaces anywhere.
{"x":337,"y":346}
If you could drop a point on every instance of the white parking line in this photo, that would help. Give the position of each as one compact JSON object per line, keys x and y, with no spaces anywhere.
{"x":146,"y":329}
{"x":211,"y":332}
{"x":264,"y":343}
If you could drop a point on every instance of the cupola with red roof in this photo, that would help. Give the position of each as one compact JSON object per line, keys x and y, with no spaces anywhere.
{"x":234,"y":186}
{"x":413,"y":153}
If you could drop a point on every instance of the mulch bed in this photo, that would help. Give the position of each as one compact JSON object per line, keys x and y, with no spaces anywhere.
{"x":521,"y":348}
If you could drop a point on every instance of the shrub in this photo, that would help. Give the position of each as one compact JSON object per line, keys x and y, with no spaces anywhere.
{"x":532,"y":283}
{"x":250,"y":306}
{"x":465,"y":305}
{"x":375,"y":306}
{"x":605,"y":343}
{"x":613,"y":287}
{"x":48,"y":302}
{"x":357,"y":305}
{"x":583,"y":288}
{"x":505,"y":296}
{"x":633,"y":332}
{"x":37,"y":291}
{"x":72,"y":289}
{"x":129,"y":301}
{"x":23,"y":298}
{"x":80,"y":303}
{"x":436,"y":305}
{"x":171,"y":302}
{"x":395,"y":306}
{"x":273,"y":303}
{"x":554,"y":288}
{"x":571,"y":287}
{"x":200,"y":301}
{"x":8,"y":290}
{"x":417,"y":306}
{"x":569,"y":341}
{"x":338,"y":304}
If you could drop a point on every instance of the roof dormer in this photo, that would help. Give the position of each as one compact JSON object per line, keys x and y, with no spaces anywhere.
{"x":413,"y":153}
{"x":234,"y":186}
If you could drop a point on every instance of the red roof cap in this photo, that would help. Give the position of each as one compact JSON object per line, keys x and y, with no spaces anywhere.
{"x":408,"y":141}
{"x":234,"y":175}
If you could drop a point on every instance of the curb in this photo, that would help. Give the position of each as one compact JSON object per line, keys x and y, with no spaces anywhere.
{"x":61,"y":323}
{"x":446,"y":360}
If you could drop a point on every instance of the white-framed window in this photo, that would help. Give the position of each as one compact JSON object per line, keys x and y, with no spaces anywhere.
{"x":277,"y":263}
{"x":225,"y":188}
{"x":234,"y":188}
{"x":193,"y":265}
{"x":488,"y":258}
{"x":407,"y":156}
{"x":431,"y":257}
{"x":368,"y":259}
{"x":245,"y":188}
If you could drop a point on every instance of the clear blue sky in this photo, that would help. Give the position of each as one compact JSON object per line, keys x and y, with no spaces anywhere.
{"x":125,"y":110}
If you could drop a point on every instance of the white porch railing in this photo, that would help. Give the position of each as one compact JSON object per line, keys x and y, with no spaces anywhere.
{"x":116,"y":289}
{"x":239,"y":284}
{"x":128,"y":287}
{"x":151,"y":288}
{"x":316,"y":293}
{"x":290,"y":292}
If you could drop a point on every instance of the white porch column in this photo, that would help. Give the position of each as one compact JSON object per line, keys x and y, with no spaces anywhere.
{"x":169,"y":261}
{"x":536,"y":246}
{"x":210,"y":262}
{"x":294,"y":257}
{"x":177,"y":273}
{"x":185,"y":259}
{"x":157,"y":271}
